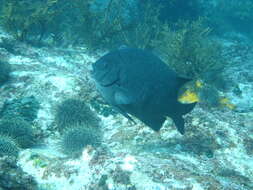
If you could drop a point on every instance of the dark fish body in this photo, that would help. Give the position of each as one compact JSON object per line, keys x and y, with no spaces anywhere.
{"x":138,"y":83}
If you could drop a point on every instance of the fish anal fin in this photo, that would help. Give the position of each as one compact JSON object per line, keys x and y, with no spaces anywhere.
{"x":179,"y":122}
{"x":124,"y":114}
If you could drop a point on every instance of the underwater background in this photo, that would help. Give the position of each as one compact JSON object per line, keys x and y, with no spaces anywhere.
{"x":58,"y":133}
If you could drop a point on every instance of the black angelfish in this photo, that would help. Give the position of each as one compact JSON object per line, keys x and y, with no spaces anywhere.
{"x":138,"y":83}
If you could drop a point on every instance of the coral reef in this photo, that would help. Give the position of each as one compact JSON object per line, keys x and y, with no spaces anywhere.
{"x":73,"y":112}
{"x":26,"y":107}
{"x":13,"y":178}
{"x":248,"y":144}
{"x":8,"y":146}
{"x":121,"y":176}
{"x":212,"y":149}
{"x":215,"y":152}
{"x":75,"y":139}
{"x":102,"y":108}
{"x":20,"y":130}
{"x":5,"y":70}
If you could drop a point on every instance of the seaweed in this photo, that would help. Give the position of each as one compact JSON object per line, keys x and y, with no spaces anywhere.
{"x":81,"y":22}
{"x":105,"y":26}
{"x":27,"y":20}
{"x":48,"y":20}
{"x":147,"y":28}
{"x":189,"y":50}
{"x":64,"y":22}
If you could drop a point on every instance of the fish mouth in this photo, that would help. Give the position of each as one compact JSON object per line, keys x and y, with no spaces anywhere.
{"x":110,"y":84}
{"x":104,"y":79}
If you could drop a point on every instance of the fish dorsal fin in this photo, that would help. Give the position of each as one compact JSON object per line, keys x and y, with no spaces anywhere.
{"x":182,"y":81}
{"x":123,"y":46}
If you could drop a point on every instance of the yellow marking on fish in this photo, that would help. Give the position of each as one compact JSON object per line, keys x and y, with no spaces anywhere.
{"x":199,"y":84}
{"x":188,"y":97}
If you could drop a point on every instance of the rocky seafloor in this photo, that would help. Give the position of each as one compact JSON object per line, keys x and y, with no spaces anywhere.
{"x":216,"y":152}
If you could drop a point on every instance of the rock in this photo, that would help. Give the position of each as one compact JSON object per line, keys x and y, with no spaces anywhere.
{"x":12,"y":177}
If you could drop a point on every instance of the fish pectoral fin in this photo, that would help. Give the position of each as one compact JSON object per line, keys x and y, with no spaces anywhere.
{"x":179,"y":122}
{"x":124,"y":114}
